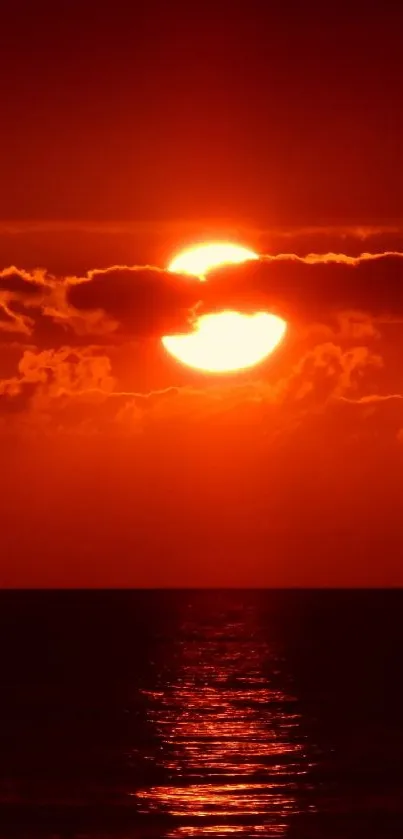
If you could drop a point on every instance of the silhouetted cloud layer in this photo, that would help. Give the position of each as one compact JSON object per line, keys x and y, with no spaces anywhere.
{"x":85,"y":352}
{"x":314,"y":286}
{"x":144,"y":301}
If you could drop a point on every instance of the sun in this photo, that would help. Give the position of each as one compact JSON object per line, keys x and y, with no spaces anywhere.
{"x":227,"y":341}
{"x":200,"y":259}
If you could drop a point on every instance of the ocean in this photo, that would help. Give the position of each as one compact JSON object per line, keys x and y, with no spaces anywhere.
{"x":221,"y":713}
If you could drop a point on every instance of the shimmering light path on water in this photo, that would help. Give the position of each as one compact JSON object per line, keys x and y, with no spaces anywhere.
{"x":227,"y":721}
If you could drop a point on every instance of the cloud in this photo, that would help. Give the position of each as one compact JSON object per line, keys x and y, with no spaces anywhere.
{"x":314,"y":287}
{"x":46,"y":376}
{"x":12,"y":322}
{"x":79,"y":385}
{"x":81,"y":345}
{"x":5,"y":315}
{"x":347,"y":239}
{"x":347,"y":293}
{"x":327,"y":372}
{"x":373,"y":398}
{"x":121,"y":302}
{"x":17,"y":281}
{"x":36,"y":305}
{"x":356,"y":325}
{"x":145,"y":301}
{"x":67,"y":369}
{"x":23,"y":296}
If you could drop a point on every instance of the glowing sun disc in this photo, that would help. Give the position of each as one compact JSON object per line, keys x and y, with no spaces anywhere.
{"x":227,"y":341}
{"x":200,"y":259}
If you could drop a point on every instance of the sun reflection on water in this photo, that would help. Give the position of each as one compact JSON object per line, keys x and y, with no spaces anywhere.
{"x":231,"y":749}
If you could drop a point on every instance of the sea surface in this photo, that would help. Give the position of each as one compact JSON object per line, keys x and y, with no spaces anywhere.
{"x":201,"y":714}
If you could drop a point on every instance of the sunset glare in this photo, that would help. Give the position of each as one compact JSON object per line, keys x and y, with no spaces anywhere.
{"x":200,"y":259}
{"x":227,"y":341}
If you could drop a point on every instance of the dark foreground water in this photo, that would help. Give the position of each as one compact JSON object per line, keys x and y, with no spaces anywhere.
{"x":187,"y":714}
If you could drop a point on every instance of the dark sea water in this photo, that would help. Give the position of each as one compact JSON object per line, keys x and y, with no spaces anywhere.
{"x":197,"y":714}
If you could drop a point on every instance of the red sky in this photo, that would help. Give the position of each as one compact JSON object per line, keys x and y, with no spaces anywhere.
{"x":126,"y":134}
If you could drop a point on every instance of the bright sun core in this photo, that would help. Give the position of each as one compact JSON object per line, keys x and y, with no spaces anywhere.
{"x":226,"y":341}
{"x":200,"y":259}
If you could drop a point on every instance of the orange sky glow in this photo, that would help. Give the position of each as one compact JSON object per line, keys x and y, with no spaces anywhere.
{"x":172,"y":415}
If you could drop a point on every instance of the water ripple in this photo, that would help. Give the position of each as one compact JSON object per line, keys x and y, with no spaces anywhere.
{"x":228,"y":727}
